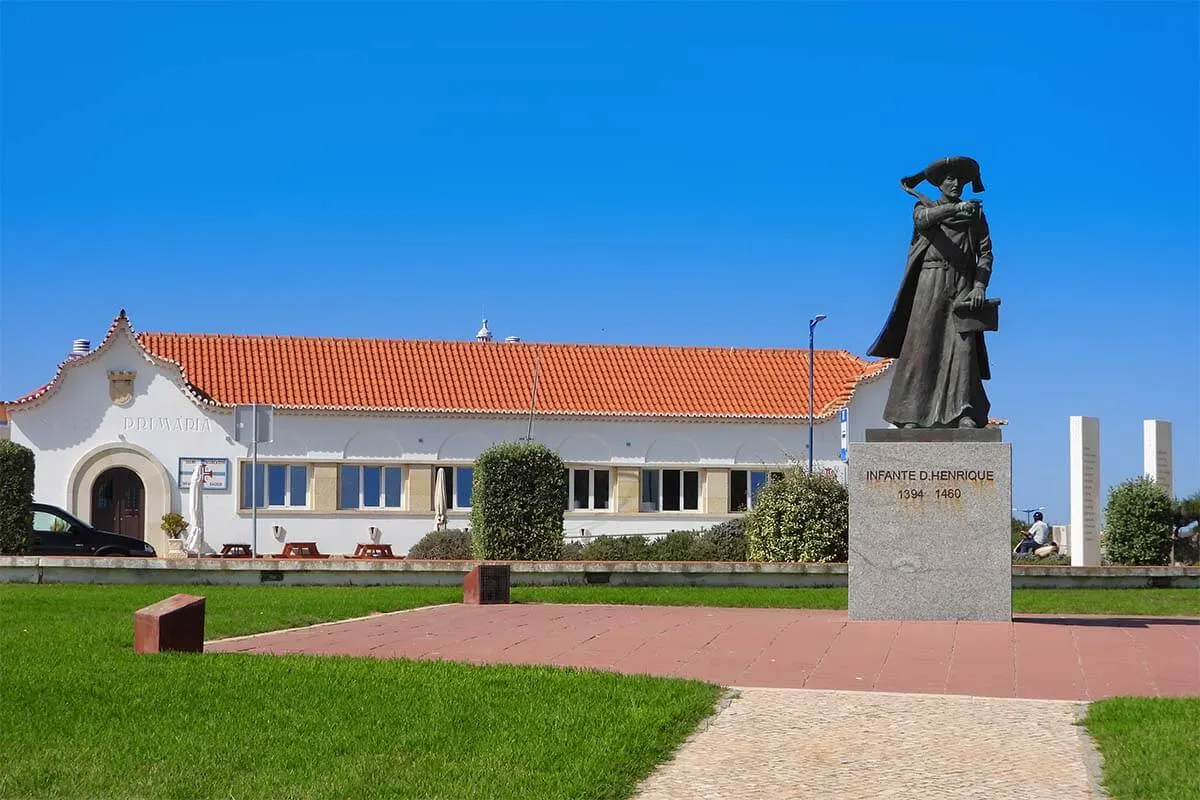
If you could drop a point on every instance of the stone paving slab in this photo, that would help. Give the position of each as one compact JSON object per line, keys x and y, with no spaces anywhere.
{"x":784,"y":744}
{"x":1061,"y":658}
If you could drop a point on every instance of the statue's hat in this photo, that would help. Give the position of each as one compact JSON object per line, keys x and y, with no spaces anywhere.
{"x":965,"y":168}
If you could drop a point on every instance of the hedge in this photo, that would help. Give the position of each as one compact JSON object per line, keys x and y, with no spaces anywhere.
{"x":1138,"y":524}
{"x":16,"y":497}
{"x":518,"y":500}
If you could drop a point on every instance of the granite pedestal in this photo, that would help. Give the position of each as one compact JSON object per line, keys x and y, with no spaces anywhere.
{"x":930,"y":526}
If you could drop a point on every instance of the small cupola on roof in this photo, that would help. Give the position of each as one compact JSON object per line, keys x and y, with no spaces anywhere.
{"x":484,"y":334}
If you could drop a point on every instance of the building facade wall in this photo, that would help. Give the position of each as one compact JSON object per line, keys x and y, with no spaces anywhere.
{"x":80,"y":421}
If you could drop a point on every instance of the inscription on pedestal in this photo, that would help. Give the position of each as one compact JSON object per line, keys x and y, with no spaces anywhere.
{"x":929,"y":531}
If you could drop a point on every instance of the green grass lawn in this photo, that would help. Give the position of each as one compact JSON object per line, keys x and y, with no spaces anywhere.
{"x":1151,"y":746}
{"x":81,"y":715}
{"x":1155,"y":602}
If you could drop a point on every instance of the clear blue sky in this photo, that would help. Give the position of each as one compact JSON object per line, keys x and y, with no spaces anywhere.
{"x":662,"y":173}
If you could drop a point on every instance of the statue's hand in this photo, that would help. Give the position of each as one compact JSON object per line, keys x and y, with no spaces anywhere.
{"x":975,"y":297}
{"x":968,"y":208}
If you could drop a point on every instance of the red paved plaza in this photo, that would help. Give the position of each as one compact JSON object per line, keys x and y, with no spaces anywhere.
{"x":1070,"y":658}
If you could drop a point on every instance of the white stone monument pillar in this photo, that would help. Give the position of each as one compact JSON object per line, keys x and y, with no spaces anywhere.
{"x":1085,"y":492}
{"x":1156,"y":453}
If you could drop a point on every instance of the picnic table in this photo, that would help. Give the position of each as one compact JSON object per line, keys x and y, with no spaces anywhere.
{"x":372,"y":550}
{"x":236,"y":550}
{"x":301,"y":550}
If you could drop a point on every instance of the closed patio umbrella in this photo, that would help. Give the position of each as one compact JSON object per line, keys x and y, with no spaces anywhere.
{"x":439,"y":500}
{"x":195,"y":535}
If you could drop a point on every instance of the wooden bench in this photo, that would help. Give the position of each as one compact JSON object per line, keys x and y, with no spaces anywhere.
{"x":236,"y":550}
{"x":301,"y":550}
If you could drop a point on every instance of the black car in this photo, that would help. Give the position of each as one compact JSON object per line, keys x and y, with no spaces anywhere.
{"x":57,"y":533}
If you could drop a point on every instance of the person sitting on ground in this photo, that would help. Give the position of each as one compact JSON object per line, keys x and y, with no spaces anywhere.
{"x":1037,"y":537}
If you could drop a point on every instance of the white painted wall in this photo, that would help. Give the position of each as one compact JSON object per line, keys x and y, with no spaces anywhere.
{"x":80,"y":417}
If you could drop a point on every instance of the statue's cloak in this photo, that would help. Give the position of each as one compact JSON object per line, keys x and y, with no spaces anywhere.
{"x":890,"y":341}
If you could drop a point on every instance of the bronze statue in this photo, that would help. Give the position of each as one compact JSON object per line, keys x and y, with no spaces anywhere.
{"x":935,"y":330}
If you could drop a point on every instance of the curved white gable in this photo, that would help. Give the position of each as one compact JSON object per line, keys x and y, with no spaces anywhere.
{"x":584,"y":447}
{"x":673,"y":448}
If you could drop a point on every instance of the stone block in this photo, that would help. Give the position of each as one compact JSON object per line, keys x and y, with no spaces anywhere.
{"x":176,"y":623}
{"x":929,"y":531}
{"x":487,"y":584}
{"x":932,"y":435}
{"x":1085,"y":491}
{"x":420,"y":488}
{"x":324,"y":487}
{"x":629,"y":490}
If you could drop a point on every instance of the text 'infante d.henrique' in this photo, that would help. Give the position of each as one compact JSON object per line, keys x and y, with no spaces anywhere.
{"x":974,"y":475}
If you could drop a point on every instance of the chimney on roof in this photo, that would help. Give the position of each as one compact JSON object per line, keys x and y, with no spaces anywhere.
{"x":484,"y":335}
{"x":79,"y":349}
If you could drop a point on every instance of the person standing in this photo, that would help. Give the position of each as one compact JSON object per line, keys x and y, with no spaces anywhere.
{"x":940,"y":367}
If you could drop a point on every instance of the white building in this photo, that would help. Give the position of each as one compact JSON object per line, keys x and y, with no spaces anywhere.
{"x":657,"y":438}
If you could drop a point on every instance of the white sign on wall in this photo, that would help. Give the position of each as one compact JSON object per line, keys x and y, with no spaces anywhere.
{"x":216,"y":473}
{"x":254,"y":424}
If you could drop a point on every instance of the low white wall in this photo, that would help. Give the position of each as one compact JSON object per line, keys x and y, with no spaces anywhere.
{"x":343,"y":572}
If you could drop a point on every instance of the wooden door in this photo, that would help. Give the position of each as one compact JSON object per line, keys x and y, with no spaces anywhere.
{"x":117,"y":503}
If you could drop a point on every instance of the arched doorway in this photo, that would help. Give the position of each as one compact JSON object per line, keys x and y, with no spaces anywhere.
{"x":118,"y":501}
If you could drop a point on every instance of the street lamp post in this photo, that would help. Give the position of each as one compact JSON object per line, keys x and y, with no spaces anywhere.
{"x":812,"y":323}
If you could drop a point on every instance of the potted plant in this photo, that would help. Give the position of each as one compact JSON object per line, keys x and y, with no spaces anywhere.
{"x":174,"y":525}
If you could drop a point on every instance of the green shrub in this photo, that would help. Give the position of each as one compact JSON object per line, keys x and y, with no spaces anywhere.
{"x":173,"y":525}
{"x":573,"y":551}
{"x":453,"y":544}
{"x":1017,"y":529}
{"x":616,"y":548}
{"x":723,"y":542}
{"x":1052,"y":560}
{"x":16,"y":497}
{"x":1187,"y":550}
{"x":518,"y":499}
{"x":804,"y":518}
{"x":1138,"y":523}
{"x":675,"y":546}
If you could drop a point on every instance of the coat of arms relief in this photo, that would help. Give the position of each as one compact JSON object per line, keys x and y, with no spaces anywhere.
{"x":120,"y":387}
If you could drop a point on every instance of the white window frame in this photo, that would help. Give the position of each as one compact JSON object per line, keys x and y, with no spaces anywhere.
{"x":749,"y":487}
{"x":362,"y":487}
{"x":245,"y":487}
{"x":659,"y":500}
{"x":591,"y":506}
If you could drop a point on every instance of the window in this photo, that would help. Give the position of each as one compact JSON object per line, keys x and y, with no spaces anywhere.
{"x":460,"y":481}
{"x":275,"y":485}
{"x":45,"y":522}
{"x":589,"y":489}
{"x":744,"y":486}
{"x":367,"y":486}
{"x":670,"y":490}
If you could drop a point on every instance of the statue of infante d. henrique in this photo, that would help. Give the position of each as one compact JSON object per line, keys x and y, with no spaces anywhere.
{"x":935,"y":330}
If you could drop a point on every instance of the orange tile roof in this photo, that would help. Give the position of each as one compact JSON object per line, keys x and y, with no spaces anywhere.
{"x":496,"y":377}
